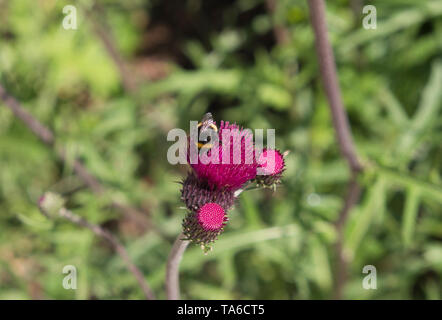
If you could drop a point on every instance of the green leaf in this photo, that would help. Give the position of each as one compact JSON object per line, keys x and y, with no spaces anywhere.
{"x":394,"y":109}
{"x":274,"y":96}
{"x":425,"y":116}
{"x":363,"y":218}
{"x":253,"y":219}
{"x":401,"y":20}
{"x":427,"y":190}
{"x":410,"y":215}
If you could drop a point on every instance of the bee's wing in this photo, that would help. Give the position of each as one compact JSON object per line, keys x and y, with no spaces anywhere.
{"x":207,"y":118}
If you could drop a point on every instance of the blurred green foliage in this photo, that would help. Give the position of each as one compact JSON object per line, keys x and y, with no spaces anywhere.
{"x":246,"y":63}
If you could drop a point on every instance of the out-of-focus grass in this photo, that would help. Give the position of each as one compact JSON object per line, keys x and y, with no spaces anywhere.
{"x":198,"y":56}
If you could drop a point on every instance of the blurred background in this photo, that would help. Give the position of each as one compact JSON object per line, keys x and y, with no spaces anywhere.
{"x":132,"y":70}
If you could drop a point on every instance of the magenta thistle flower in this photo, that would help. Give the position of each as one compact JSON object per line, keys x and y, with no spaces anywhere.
{"x":271,"y":166}
{"x":233,"y":162}
{"x":211,"y":217}
{"x":204,"y":226}
{"x":225,"y":163}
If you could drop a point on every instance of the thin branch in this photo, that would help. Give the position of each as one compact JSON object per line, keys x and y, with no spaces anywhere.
{"x":104,"y":35}
{"x":331,"y":85}
{"x":330,"y":81}
{"x":48,"y":137}
{"x":36,"y":127}
{"x":172,"y":269}
{"x":118,"y":247}
{"x":280,"y":32}
{"x":352,"y":197}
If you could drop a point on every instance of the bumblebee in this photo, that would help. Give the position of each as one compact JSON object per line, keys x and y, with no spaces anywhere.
{"x":206,"y":124}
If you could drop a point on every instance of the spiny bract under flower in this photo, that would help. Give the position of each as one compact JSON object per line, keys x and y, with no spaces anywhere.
{"x":196,"y":192}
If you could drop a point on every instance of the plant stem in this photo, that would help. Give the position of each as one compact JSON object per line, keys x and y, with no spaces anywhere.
{"x":352,"y":197}
{"x":48,"y":138}
{"x":172,"y":268}
{"x":43,"y":133}
{"x":327,"y":67}
{"x":117,"y":246}
{"x":104,"y":34}
{"x":331,"y":85}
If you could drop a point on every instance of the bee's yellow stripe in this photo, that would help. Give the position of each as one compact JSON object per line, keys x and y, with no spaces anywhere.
{"x":212,"y":125}
{"x":205,"y":145}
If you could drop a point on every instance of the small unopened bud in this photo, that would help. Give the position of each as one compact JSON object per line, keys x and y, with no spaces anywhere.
{"x":204,"y":226}
{"x":50,"y":204}
{"x":272,"y":165}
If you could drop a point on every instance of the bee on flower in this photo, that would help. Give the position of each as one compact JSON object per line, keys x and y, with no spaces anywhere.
{"x":211,"y":187}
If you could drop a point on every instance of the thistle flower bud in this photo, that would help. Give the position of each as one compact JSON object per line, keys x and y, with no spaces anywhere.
{"x":50,"y":204}
{"x":271,"y":166}
{"x":203,"y":226}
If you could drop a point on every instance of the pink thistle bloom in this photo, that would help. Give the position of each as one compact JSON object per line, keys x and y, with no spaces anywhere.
{"x":271,"y":166}
{"x":223,"y":160}
{"x":205,"y":225}
{"x":211,"y":217}
{"x":232,"y":162}
{"x":271,"y":162}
